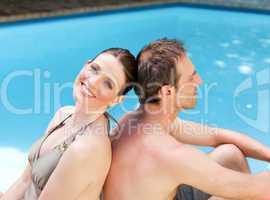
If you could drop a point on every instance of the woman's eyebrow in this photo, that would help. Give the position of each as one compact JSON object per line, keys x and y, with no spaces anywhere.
{"x":96,"y":65}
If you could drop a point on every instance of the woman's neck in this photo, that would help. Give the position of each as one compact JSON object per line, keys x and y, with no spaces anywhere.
{"x":82,"y":116}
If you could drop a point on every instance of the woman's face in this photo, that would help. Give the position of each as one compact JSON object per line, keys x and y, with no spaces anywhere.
{"x":99,"y":82}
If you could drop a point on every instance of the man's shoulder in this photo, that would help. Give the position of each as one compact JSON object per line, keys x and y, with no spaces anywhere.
{"x":127,"y":117}
{"x":125,"y":122}
{"x":164,"y":144}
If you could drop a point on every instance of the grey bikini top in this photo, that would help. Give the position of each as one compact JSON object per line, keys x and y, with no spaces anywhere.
{"x":43,"y":166}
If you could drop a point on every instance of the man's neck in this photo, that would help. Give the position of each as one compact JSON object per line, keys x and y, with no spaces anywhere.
{"x":155,"y":114}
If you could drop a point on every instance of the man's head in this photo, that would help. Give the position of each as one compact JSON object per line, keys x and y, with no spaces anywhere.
{"x":166,"y":74}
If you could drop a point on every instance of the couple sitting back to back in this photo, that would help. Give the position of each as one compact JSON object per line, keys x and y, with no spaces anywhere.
{"x":149,"y":156}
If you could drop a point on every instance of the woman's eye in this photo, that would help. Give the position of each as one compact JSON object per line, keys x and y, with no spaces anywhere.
{"x":108,"y":84}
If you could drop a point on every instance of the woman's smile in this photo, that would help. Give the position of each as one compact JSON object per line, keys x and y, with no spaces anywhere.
{"x":86,"y":91}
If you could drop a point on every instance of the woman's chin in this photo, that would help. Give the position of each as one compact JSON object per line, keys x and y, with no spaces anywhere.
{"x":80,"y":99}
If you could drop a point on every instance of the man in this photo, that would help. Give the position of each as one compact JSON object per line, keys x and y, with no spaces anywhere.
{"x":153,"y":158}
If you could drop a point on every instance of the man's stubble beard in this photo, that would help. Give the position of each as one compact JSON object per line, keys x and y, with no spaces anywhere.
{"x":187,"y":105}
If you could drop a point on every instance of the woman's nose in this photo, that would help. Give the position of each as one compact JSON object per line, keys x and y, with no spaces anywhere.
{"x":84,"y":74}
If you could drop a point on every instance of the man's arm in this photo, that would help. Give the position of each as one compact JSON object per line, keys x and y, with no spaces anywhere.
{"x":199,"y":134}
{"x":194,"y":168}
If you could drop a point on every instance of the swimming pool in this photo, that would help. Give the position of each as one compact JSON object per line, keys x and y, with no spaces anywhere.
{"x":40,"y":59}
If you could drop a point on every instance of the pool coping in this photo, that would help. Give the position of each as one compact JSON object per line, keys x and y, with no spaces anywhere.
{"x":238,"y":6}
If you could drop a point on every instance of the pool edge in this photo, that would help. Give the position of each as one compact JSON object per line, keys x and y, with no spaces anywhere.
{"x":135,"y":5}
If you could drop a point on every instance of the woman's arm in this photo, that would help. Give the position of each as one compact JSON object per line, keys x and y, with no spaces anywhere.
{"x":17,"y":190}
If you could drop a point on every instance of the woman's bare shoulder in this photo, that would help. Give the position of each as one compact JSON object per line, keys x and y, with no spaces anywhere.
{"x":95,"y":138}
{"x":59,"y":116}
{"x":62,"y":113}
{"x":65,"y":111}
{"x":91,"y":148}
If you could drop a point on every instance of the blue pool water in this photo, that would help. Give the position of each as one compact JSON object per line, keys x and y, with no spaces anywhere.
{"x":231,"y":50}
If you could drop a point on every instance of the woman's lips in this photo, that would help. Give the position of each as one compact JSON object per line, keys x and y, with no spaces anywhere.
{"x":86,"y":90}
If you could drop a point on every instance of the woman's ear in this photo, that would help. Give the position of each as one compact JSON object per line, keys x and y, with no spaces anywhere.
{"x":117,"y":100}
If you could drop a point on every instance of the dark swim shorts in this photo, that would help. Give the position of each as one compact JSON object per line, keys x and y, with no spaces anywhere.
{"x":186,"y":192}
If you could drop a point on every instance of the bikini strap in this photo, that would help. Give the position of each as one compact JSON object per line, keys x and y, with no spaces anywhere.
{"x":109,"y":116}
{"x":72,"y":137}
{"x":61,"y":124}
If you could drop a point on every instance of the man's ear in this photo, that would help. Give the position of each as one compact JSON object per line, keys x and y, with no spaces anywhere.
{"x":166,"y":90}
{"x":117,"y":100}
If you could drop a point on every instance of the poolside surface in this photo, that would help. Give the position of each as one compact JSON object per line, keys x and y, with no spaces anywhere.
{"x":14,"y":10}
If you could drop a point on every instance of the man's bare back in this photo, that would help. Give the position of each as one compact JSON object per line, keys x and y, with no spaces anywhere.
{"x":150,"y":165}
{"x":144,"y":155}
{"x":153,"y":154}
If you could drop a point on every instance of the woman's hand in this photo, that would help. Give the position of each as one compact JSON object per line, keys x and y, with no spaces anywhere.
{"x":17,"y":190}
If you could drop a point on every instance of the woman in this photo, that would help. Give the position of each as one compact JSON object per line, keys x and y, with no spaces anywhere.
{"x":71,"y":161}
